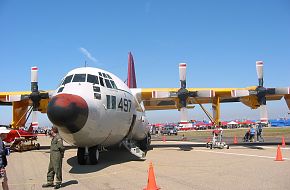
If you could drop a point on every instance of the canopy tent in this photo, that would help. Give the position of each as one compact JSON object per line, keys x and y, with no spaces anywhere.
{"x":232,"y":123}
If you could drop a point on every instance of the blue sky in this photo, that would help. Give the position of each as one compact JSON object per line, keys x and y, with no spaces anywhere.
{"x":219,"y":40}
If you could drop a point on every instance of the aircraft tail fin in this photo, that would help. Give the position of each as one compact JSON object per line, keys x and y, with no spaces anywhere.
{"x":30,"y":128}
{"x":131,"y":80}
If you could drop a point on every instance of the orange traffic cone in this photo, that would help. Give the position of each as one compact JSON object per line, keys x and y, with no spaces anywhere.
{"x":163,"y":138}
{"x":235,"y":140}
{"x":151,"y":185}
{"x":279,"y":154}
{"x":283,"y":142}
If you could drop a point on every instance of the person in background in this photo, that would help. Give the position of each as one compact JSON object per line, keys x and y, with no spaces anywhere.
{"x":3,"y":160}
{"x":259,"y":132}
{"x":252,"y":134}
{"x":55,"y":163}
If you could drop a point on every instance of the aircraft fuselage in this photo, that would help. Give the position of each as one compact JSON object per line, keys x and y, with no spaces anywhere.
{"x":94,"y":107}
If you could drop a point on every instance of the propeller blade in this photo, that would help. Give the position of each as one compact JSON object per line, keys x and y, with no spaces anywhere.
{"x":160,"y":94}
{"x":285,"y":90}
{"x":13,"y":98}
{"x":34,"y":79}
{"x":34,"y":119}
{"x":239,"y":93}
{"x":183,"y":114}
{"x":260,"y":72}
{"x":163,"y":94}
{"x":205,"y":93}
{"x":182,"y":74}
{"x":263,"y":114}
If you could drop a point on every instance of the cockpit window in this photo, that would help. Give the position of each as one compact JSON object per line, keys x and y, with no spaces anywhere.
{"x":105,"y":75}
{"x":109,"y":76}
{"x":60,"y":89}
{"x":113,"y":84}
{"x":108,"y":84}
{"x":93,"y":79}
{"x":79,"y":78}
{"x":102,"y":81}
{"x":67,"y":79}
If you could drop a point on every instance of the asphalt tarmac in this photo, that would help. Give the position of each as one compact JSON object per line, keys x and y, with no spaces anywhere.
{"x":178,"y":165}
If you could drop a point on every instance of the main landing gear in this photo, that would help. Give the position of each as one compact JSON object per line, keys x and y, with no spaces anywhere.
{"x":90,"y":155}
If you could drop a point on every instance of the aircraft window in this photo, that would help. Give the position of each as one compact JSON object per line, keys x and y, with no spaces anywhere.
{"x":93,"y":79}
{"x":102,"y":81}
{"x":113,"y":84}
{"x":79,"y":78}
{"x":67,"y":79}
{"x":108,"y":101}
{"x":108,"y":84}
{"x":97,"y":96}
{"x":100,"y":74}
{"x":60,"y":89}
{"x":105,"y":75}
{"x":109,"y":76}
{"x":96,"y":89}
{"x":113,"y":102}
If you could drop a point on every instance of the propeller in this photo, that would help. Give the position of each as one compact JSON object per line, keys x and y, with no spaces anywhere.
{"x":35,"y":96}
{"x":260,"y":92}
{"x":183,"y":94}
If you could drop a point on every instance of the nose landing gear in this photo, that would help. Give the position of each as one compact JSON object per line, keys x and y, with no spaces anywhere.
{"x":86,"y":155}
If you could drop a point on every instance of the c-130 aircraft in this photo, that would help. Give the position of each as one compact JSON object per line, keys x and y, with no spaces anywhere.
{"x":94,"y":109}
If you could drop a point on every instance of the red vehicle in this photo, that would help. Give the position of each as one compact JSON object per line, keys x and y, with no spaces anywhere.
{"x":21,"y":139}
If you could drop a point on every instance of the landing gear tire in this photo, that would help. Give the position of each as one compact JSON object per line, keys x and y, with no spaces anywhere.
{"x":37,"y":146}
{"x":94,"y":155}
{"x":144,"y":144}
{"x":81,"y":156}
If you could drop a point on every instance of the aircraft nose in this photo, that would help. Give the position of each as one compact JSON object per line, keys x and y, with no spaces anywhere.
{"x":68,"y":111}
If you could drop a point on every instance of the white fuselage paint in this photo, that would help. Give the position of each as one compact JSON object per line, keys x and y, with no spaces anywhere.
{"x":105,"y":126}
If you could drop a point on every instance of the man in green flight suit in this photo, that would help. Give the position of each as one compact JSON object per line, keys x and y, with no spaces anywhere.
{"x":55,"y":163}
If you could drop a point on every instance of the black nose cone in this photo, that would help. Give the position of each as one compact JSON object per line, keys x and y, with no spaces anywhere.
{"x":68,"y":111}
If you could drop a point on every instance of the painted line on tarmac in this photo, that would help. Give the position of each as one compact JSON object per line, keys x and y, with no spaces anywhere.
{"x":269,"y":147}
{"x":238,"y":154}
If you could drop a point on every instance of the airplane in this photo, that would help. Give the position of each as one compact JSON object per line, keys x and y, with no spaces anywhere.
{"x":21,"y":139}
{"x":94,"y":109}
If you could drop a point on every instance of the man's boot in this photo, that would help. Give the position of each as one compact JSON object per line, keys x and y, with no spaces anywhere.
{"x":57,"y":186}
{"x":48,"y":184}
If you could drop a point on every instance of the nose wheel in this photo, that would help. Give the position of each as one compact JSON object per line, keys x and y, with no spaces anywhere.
{"x":94,"y":155}
{"x":81,"y":156}
{"x":90,"y":155}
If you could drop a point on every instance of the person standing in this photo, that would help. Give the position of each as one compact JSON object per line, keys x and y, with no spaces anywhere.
{"x":3,"y":160}
{"x":252,"y":134}
{"x":55,"y":162}
{"x":259,"y":132}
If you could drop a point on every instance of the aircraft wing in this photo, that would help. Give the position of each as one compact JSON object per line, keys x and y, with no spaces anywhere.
{"x":167,"y":98}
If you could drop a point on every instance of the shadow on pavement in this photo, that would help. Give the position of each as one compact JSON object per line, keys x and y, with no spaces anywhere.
{"x":70,"y":182}
{"x":107,"y":159}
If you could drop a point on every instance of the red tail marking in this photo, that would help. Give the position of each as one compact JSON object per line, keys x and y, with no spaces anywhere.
{"x":131,"y":80}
